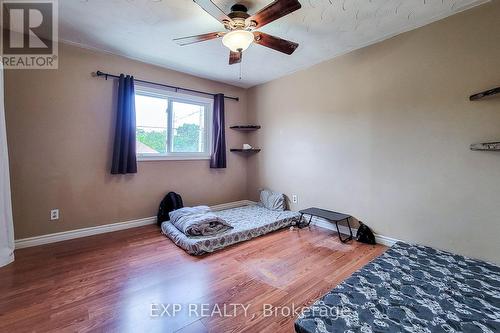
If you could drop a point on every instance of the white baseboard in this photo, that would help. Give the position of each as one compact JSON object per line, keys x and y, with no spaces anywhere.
{"x":101,"y":229}
{"x":380,"y":239}
{"x":72,"y":234}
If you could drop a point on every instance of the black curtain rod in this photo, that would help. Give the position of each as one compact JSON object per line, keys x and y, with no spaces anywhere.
{"x":106,"y":75}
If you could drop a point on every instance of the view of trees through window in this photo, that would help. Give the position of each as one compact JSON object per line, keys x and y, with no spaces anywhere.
{"x":188,"y":134}
{"x":152,"y":139}
{"x":187,"y":138}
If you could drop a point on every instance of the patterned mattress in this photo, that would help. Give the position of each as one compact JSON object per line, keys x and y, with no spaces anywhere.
{"x":411,"y":289}
{"x":247,"y":222}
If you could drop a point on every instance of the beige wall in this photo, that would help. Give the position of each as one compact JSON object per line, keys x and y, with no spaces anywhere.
{"x":60,"y":129}
{"x":383,"y":133}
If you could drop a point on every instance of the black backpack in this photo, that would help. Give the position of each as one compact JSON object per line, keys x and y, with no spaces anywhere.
{"x":171,"y":202}
{"x":365,"y":234}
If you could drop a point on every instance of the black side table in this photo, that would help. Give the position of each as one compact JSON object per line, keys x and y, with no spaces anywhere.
{"x":329,"y":215}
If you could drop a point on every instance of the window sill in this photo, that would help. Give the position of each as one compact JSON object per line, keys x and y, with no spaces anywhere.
{"x":171,"y":158}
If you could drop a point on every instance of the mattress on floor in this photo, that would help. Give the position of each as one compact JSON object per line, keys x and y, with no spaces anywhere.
{"x":247,"y":222}
{"x":411,"y":288}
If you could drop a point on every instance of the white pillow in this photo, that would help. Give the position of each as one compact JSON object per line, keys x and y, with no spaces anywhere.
{"x":272,"y":200}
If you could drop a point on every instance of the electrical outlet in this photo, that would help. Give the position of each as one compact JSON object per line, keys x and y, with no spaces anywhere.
{"x":54,"y":214}
{"x":295,"y":199}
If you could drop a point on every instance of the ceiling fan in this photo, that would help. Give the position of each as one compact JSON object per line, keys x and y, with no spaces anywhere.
{"x":240,"y":27}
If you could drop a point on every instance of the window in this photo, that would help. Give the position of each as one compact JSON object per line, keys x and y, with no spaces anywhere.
{"x":172,"y":125}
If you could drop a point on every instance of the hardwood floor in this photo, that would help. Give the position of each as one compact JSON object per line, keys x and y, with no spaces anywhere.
{"x":114,"y":282}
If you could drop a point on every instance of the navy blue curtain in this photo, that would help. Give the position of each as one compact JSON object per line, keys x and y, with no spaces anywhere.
{"x":218,"y":160}
{"x":124,"y":150}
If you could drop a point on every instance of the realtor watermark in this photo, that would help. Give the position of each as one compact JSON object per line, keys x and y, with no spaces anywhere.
{"x":199,"y":310}
{"x":203,"y":310}
{"x":29,"y":34}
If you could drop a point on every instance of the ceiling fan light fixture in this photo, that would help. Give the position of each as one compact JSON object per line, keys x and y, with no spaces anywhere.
{"x":238,"y":40}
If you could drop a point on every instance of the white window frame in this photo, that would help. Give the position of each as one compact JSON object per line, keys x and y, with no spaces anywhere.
{"x":172,"y":97}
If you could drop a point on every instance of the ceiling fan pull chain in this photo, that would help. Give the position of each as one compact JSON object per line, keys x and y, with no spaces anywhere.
{"x":241,"y":65}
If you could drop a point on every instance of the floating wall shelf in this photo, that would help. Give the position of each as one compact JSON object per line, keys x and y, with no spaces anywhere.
{"x":486,"y":146}
{"x":486,"y":93}
{"x":245,"y":151}
{"x":245,"y":128}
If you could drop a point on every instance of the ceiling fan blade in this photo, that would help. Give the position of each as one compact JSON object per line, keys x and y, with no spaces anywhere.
{"x":198,"y":38}
{"x":213,"y":9}
{"x":235,"y":57}
{"x":274,"y":11}
{"x":275,"y":43}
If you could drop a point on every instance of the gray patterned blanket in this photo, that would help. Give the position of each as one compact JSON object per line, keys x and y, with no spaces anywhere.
{"x":411,"y":288}
{"x":198,"y":221}
{"x":247,"y":222}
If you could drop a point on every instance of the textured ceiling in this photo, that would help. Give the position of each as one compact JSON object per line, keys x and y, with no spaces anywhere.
{"x":144,"y":29}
